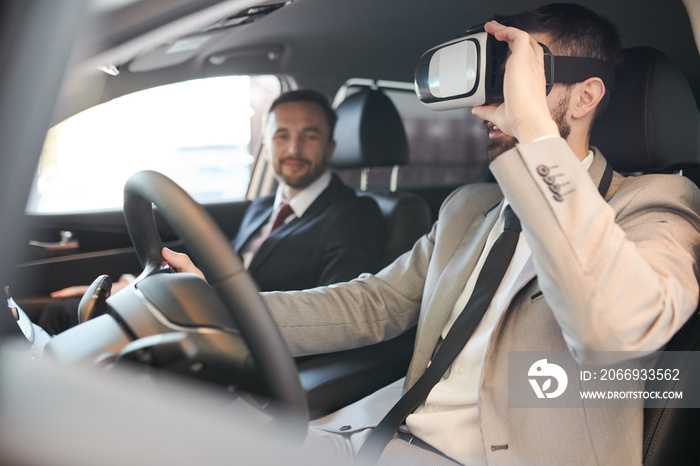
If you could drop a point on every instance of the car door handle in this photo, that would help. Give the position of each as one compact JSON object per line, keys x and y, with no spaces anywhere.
{"x":66,"y":243}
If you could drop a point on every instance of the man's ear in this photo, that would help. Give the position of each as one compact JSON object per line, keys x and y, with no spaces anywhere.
{"x":267,"y":154}
{"x":588,"y":95}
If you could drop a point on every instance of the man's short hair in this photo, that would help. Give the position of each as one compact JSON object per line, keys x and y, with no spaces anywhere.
{"x":312,"y":96}
{"x":575,"y":31}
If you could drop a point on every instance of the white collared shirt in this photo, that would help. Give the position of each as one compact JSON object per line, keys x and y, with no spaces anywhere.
{"x":299,"y":204}
{"x":449,"y":418}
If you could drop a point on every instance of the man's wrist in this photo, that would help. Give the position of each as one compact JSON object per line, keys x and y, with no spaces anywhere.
{"x":533,"y":132}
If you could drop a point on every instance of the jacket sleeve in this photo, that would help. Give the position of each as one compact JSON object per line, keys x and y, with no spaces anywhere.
{"x":366,"y":310}
{"x":618,"y":277}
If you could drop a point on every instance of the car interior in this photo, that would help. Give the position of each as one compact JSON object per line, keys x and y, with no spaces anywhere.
{"x":651,"y":126}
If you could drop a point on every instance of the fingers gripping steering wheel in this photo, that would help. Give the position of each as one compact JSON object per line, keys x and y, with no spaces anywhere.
{"x":224,"y":272}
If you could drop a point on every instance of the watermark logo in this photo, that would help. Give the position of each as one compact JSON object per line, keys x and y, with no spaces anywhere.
{"x":618,"y":379}
{"x":542,"y":370}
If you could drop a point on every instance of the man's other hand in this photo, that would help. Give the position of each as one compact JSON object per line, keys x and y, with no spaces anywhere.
{"x":525,"y":113}
{"x":80,"y":290}
{"x":180,"y":262}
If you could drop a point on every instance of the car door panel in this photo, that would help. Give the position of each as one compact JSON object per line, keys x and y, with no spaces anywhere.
{"x":97,"y":243}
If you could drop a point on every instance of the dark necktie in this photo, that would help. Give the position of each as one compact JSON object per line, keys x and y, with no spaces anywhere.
{"x":284,"y":211}
{"x":487,"y":283}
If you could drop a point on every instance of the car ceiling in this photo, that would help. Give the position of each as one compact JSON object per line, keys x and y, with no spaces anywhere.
{"x":322,"y":43}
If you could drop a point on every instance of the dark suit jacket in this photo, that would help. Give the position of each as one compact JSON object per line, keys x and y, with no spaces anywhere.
{"x":338,"y":238}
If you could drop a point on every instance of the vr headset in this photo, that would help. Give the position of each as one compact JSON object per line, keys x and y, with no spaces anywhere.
{"x":468,"y":71}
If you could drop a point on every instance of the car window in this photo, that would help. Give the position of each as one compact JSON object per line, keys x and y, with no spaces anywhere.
{"x":446,"y":148}
{"x":201,"y":133}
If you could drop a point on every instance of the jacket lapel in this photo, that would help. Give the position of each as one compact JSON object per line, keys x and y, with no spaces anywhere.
{"x":526,"y":275}
{"x":316,"y":208}
{"x":451,"y":283}
{"x":456,"y":264}
{"x":272,"y":241}
{"x":260,"y":215}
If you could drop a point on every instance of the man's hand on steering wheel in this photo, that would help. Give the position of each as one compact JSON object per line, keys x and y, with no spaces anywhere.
{"x":180,"y":262}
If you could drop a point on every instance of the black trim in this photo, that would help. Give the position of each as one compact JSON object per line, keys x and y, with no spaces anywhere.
{"x":568,"y":70}
{"x":605,"y":180}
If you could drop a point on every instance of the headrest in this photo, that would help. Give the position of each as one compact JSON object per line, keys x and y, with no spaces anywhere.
{"x":369,"y":132}
{"x":652,"y":122}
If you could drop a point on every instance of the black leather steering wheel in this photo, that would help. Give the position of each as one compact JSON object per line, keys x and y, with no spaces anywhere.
{"x":224,"y":272}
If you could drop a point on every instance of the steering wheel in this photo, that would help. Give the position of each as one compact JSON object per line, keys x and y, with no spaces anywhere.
{"x":224,"y":272}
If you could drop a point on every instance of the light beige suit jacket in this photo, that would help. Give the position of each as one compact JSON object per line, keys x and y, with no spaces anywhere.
{"x":598,"y":267}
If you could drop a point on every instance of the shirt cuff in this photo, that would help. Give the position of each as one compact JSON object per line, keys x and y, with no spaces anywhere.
{"x":549,"y":136}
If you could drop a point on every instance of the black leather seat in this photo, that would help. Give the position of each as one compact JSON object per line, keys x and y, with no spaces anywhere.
{"x":652,"y":122}
{"x":369,"y":133}
{"x":652,"y":126}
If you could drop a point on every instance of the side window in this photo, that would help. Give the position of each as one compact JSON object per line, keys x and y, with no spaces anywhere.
{"x":202,"y":133}
{"x":446,"y":148}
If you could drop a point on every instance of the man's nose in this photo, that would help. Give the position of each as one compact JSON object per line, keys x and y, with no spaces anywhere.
{"x":294,"y":145}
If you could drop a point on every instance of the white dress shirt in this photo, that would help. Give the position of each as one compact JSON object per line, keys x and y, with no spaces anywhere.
{"x":298,"y":203}
{"x":449,"y":418}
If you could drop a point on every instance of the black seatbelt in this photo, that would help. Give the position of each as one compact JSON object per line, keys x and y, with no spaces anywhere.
{"x":487,"y":283}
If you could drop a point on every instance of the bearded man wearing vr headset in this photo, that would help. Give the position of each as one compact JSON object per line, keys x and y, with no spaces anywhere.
{"x":604,"y":263}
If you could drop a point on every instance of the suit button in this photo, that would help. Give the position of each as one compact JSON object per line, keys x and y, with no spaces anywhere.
{"x":558,"y":197}
{"x":344,"y":428}
{"x":549,"y":179}
{"x":555,"y":188}
{"x":543,"y":170}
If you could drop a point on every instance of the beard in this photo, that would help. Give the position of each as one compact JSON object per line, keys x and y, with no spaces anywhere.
{"x":497,"y":146}
{"x":303,"y":180}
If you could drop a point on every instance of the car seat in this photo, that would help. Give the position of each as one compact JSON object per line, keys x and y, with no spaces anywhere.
{"x":370,"y":133}
{"x":652,"y":126}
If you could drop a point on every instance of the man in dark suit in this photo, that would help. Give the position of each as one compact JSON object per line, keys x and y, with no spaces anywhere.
{"x":327,"y":234}
{"x":330,"y":234}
